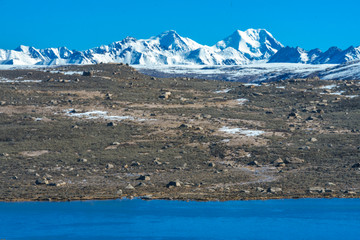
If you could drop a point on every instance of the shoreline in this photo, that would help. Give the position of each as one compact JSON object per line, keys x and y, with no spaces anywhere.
{"x":148,"y":198}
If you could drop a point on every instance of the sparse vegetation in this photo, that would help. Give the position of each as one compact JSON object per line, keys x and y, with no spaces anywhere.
{"x":48,"y":128}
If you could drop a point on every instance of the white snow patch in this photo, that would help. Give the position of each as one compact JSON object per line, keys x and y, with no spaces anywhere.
{"x":241,"y":101}
{"x":72,"y":73}
{"x":251,"y":84}
{"x":234,"y":72}
{"x":242,"y":131}
{"x":101,"y":115}
{"x":337,"y":93}
{"x":223,"y":91}
{"x":280,"y":87}
{"x":351,"y":96}
{"x":6,"y":80}
{"x":332,"y":86}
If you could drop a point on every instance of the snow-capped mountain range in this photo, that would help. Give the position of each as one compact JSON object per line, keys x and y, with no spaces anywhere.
{"x":332,"y":56}
{"x":169,"y":48}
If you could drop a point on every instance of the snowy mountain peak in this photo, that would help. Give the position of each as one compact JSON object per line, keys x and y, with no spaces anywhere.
{"x":256,"y":44}
{"x":22,"y":48}
{"x":171,"y":40}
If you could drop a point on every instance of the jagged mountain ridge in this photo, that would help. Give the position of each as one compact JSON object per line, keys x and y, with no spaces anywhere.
{"x":333,"y":55}
{"x":168,"y":48}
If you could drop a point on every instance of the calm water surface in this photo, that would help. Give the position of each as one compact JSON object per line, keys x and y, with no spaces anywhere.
{"x":137,"y":219}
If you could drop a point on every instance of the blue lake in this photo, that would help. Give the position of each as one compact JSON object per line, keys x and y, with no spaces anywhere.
{"x":137,"y":219}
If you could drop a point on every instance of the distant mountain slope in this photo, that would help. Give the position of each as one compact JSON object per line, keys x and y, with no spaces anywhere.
{"x":333,"y":55}
{"x":347,"y":71}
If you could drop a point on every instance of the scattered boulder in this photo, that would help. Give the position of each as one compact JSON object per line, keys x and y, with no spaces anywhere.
{"x":274,"y":190}
{"x":144,"y":178}
{"x":279,"y":163}
{"x":84,"y":160}
{"x":157,"y":162}
{"x":41,"y":181}
{"x":135,"y":164}
{"x":312,"y":139}
{"x":175,"y":183}
{"x":316,"y":190}
{"x":141,"y":185}
{"x":356,"y":165}
{"x":58,"y":183}
{"x":108,"y":96}
{"x":87,"y":73}
{"x":245,"y":191}
{"x":185,"y":125}
{"x":254,"y":163}
{"x":294,"y":115}
{"x":330,"y":184}
{"x":147,"y":197}
{"x":109,"y":166}
{"x":294,"y":160}
{"x":350,"y":192}
{"x":165,"y":95}
{"x":129,"y":187}
{"x":211,"y":164}
{"x":111,"y":124}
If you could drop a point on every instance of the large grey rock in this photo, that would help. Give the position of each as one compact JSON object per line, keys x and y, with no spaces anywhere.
{"x":129,"y":187}
{"x":254,"y":163}
{"x":294,"y":160}
{"x":144,"y":178}
{"x":41,"y":181}
{"x":175,"y":183}
{"x":316,"y":190}
{"x":109,"y":166}
{"x":274,"y":190}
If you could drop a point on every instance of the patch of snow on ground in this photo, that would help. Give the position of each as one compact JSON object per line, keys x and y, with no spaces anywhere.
{"x":280,"y":87}
{"x":72,"y":73}
{"x":223,"y":91}
{"x":11,"y":67}
{"x":101,"y":115}
{"x":332,"y":86}
{"x":337,"y":93}
{"x":351,"y":96}
{"x":251,"y":84}
{"x":258,"y":71}
{"x":241,"y":101}
{"x":5,"y":80}
{"x":246,"y":132}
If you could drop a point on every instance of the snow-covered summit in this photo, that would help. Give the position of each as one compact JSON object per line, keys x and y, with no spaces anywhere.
{"x":171,"y":40}
{"x":254,"y":43}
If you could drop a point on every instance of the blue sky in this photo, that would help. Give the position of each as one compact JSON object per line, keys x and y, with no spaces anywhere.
{"x":83,"y":24}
